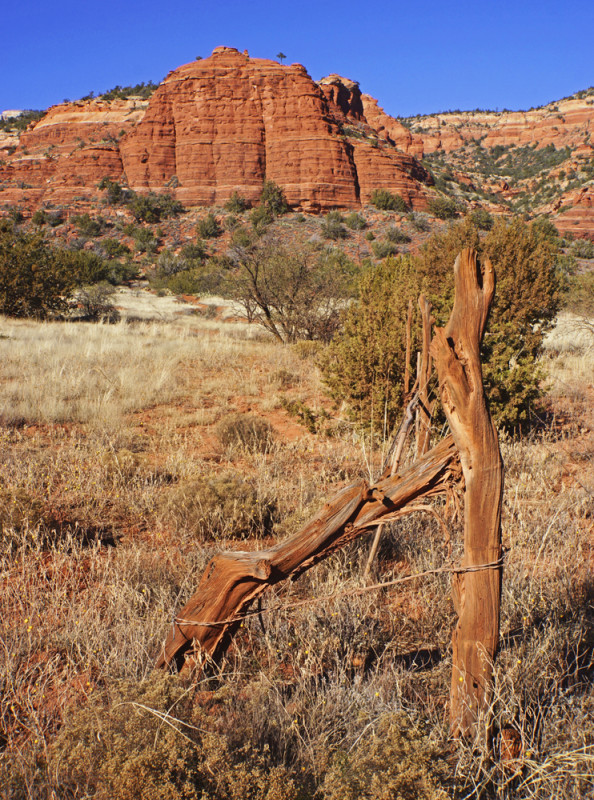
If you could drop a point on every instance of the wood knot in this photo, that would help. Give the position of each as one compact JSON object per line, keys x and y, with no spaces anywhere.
{"x":376,"y":494}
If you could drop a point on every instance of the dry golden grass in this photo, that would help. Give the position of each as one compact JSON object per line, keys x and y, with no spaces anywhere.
{"x":98,"y":552}
{"x":72,"y":372}
{"x":67,"y":372}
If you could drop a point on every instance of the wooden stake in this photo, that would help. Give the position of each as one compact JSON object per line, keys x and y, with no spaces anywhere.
{"x":425,"y":408}
{"x":406,"y":383}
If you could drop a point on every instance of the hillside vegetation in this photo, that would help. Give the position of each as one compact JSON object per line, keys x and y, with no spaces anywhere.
{"x":116,"y":491}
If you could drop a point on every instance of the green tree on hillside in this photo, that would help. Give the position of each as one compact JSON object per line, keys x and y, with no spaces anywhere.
{"x":209,"y":227}
{"x":38,"y":280}
{"x":116,"y":194}
{"x":273,"y":198}
{"x":386,"y":201}
{"x":272,"y":204}
{"x":34,"y":281}
{"x":365,"y":363}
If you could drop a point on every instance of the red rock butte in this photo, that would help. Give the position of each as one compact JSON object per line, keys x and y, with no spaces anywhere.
{"x":218,"y":126}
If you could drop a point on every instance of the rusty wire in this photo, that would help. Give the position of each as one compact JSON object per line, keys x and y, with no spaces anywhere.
{"x":344,"y":593}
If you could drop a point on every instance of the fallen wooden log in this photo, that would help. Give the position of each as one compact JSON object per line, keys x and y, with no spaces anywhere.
{"x":232,"y":580}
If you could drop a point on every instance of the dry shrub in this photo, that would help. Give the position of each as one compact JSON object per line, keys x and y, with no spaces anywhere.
{"x":219,"y":507}
{"x":123,"y":744}
{"x":25,"y":520}
{"x":394,"y":760}
{"x":246,"y":430}
{"x":123,"y":464}
{"x":85,"y":484}
{"x":285,"y":378}
{"x":306,"y":350}
{"x":19,"y":510}
{"x":25,"y":778}
{"x":147,"y":741}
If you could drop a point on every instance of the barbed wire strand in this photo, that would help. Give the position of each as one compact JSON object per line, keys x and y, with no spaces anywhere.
{"x":344,"y":593}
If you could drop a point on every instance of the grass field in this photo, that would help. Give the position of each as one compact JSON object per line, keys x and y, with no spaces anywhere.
{"x":115,"y":448}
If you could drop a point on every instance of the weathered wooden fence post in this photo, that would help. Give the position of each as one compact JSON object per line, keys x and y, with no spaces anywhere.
{"x":232,"y":581}
{"x":476,"y":594}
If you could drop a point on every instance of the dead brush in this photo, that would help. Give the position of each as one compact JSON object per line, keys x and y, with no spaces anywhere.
{"x":326,"y":670}
{"x":72,"y":619}
{"x":392,"y":758}
{"x":246,"y":430}
{"x":79,"y":484}
{"x":218,"y":507}
{"x":150,"y":740}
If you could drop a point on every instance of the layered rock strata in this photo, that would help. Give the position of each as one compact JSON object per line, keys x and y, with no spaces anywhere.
{"x":566,"y":123}
{"x":226,"y":123}
{"x":213,"y":127}
{"x":63,"y":156}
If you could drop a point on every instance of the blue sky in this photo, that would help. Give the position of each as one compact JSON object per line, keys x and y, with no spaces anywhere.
{"x":414,"y":57}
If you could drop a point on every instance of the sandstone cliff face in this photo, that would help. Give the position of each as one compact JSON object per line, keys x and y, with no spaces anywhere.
{"x":65,"y":155}
{"x":384,"y":168}
{"x":577,"y":218}
{"x":347,"y":101}
{"x":8,"y":143}
{"x":344,"y":95}
{"x":533,"y":162}
{"x":391,"y":128}
{"x":223,"y":124}
{"x":382,"y":148}
{"x":86,"y":121}
{"x":566,"y":123}
{"x":214,"y":127}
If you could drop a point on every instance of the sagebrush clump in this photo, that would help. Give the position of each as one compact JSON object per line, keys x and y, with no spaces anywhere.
{"x":248,"y":430}
{"x":442,"y":207}
{"x":395,"y":759}
{"x":150,"y":741}
{"x":219,"y":507}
